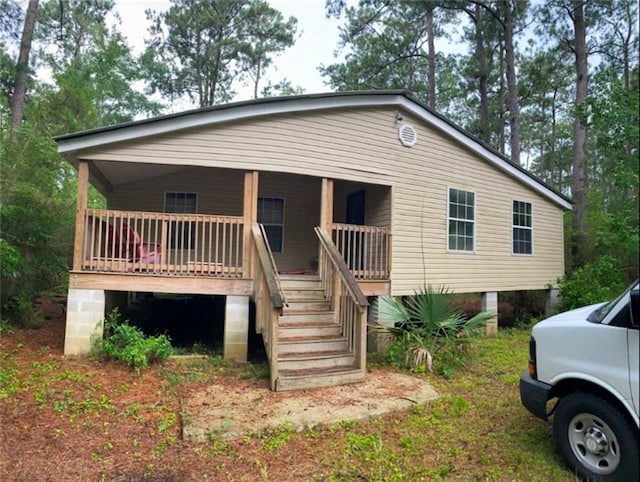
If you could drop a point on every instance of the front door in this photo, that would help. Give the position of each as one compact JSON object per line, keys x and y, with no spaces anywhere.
{"x":354,"y":248}
{"x":355,"y":208}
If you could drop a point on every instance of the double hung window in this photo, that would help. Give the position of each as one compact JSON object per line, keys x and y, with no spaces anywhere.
{"x":181,"y":233}
{"x":271,"y":216}
{"x":522,"y":230}
{"x":461,"y":220}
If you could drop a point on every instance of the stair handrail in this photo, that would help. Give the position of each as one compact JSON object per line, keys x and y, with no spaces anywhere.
{"x":345,"y":297}
{"x":269,"y":300}
{"x":272,"y":260}
{"x":268,"y":265}
{"x":341,"y":266}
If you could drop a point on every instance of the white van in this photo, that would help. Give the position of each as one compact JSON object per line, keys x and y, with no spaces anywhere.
{"x":587,"y":359}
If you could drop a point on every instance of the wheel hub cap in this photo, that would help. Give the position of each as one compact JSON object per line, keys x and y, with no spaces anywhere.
{"x":596,"y":441}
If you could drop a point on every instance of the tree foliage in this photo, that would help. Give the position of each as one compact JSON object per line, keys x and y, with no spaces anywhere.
{"x":200,"y":49}
{"x":91,"y":83}
{"x":388,"y":47}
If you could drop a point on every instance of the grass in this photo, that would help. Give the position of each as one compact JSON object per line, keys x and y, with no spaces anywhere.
{"x":477,"y":430}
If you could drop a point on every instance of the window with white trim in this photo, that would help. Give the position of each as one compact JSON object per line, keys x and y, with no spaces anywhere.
{"x":522,"y":232}
{"x":461,"y":220}
{"x":271,"y":216}
{"x":181,"y":234}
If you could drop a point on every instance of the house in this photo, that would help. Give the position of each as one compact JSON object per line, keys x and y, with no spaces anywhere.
{"x":312,"y":207}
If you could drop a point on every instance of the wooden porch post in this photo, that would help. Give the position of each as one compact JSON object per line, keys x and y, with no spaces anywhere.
{"x":81,"y":205}
{"x":326,"y":205}
{"x":326,"y":214}
{"x":250,"y":213}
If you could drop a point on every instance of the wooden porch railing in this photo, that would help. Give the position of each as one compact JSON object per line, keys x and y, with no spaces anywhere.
{"x":365,"y":249}
{"x":268,"y":297}
{"x":162,"y":243}
{"x":345,"y":296}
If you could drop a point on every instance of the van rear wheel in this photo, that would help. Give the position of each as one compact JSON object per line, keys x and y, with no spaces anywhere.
{"x":595,"y":439}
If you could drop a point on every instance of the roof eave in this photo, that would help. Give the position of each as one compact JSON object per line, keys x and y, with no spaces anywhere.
{"x":69,"y":144}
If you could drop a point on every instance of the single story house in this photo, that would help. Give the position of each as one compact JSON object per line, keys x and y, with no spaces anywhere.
{"x":311,"y":207}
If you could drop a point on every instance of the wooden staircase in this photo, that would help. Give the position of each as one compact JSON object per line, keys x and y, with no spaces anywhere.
{"x":311,"y":350}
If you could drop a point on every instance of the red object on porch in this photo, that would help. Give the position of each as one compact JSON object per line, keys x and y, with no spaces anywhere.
{"x":134,"y":249}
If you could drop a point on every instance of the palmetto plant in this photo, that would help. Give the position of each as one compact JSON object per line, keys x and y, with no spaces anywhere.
{"x":427,"y":327}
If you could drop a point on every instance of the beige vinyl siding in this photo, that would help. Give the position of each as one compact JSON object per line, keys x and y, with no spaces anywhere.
{"x":219,"y":191}
{"x":301,"y":196}
{"x":420,"y":224}
{"x":336,"y":145}
{"x":378,"y":206}
{"x":362,"y":146}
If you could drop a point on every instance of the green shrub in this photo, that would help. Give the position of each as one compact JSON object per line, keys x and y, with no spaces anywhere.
{"x":593,"y":283}
{"x":128,"y":344}
{"x":429,"y":329}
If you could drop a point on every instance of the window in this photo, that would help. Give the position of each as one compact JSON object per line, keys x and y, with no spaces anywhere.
{"x":180,"y":202}
{"x":182,"y":234}
{"x":461,"y":220}
{"x":522,"y":228}
{"x":271,"y":216}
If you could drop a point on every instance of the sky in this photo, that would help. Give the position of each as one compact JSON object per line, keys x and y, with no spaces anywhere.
{"x":318,"y":38}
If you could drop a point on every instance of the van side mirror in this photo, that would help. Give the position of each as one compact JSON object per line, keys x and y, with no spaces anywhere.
{"x":635,"y":308}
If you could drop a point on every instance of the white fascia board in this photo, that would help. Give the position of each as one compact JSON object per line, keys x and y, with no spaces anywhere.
{"x":219,"y":116}
{"x":483,"y":152}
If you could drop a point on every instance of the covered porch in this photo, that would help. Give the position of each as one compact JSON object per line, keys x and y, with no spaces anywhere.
{"x":232,"y":253}
{"x":141,"y":244}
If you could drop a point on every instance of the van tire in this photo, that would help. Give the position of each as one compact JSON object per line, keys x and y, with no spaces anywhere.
{"x":595,"y":440}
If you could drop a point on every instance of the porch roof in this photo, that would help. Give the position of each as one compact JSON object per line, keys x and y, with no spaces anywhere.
{"x":70,"y":144}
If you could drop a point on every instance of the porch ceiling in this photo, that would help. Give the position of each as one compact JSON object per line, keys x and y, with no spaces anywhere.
{"x":105,"y":173}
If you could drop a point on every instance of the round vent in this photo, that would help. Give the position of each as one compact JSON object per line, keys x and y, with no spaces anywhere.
{"x":407,"y":135}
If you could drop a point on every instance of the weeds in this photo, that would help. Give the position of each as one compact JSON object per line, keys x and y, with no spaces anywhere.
{"x":9,"y":376}
{"x":276,"y":438}
{"x":128,"y":344}
{"x":367,"y":447}
{"x":167,"y":422}
{"x":193,"y":370}
{"x":257,"y":372}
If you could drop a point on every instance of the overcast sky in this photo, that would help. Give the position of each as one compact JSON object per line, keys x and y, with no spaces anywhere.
{"x":316,"y":44}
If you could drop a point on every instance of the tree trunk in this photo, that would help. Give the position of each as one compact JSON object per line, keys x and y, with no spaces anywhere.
{"x":501,"y":110}
{"x":579,"y":182}
{"x":512,"y":86}
{"x":431,"y":60}
{"x":22,"y":68}
{"x":552,"y":153}
{"x":482,"y":77}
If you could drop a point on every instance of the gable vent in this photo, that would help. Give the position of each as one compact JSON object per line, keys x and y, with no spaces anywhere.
{"x":407,"y":135}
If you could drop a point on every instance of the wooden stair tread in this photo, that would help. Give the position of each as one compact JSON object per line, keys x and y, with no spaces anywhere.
{"x":307,"y":372}
{"x":289,"y":310}
{"x":301,"y":314}
{"x":298,"y":276}
{"x":312,"y":352}
{"x":311,"y":339}
{"x":306,"y":324}
{"x":300,"y":299}
{"x":313,"y":355}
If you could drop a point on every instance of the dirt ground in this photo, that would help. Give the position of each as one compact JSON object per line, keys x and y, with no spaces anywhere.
{"x":75,"y":418}
{"x":244,"y":410}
